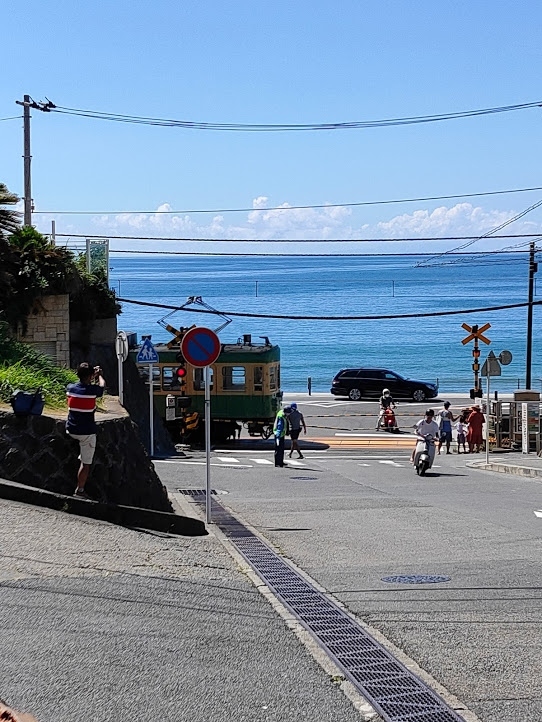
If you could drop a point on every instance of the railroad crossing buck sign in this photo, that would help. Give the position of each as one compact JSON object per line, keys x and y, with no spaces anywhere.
{"x":476,"y":333}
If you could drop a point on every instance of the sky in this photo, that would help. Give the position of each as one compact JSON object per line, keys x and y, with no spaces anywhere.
{"x":275,"y":62}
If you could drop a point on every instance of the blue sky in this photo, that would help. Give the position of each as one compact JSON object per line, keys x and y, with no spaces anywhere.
{"x":275,"y":62}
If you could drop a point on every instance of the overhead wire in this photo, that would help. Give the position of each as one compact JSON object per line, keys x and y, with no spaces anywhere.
{"x":293,"y":317}
{"x":485,"y":235}
{"x":287,"y":127}
{"x":292,"y":240}
{"x":293,"y":208}
{"x":13,"y":117}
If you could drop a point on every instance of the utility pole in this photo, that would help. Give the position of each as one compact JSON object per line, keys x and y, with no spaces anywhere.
{"x":533,"y":268}
{"x":28,"y":103}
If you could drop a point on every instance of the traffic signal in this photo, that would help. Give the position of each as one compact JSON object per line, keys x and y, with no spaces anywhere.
{"x":181,"y":374}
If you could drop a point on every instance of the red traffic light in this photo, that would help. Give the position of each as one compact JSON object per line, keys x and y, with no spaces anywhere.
{"x":181,"y":372}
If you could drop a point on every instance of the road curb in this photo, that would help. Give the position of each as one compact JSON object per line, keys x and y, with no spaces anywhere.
{"x":128,"y":516}
{"x":512,"y":469}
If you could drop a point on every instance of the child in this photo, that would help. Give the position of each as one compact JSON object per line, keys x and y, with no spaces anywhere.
{"x":461,"y":427}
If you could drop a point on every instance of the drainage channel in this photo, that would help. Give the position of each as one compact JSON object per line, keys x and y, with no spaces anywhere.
{"x":396,"y":694}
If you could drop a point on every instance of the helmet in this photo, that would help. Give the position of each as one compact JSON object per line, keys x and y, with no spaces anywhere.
{"x":293,"y":406}
{"x":385,"y":392}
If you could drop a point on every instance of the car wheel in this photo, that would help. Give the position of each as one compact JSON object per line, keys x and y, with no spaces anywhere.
{"x":419,"y":395}
{"x":354,"y":394}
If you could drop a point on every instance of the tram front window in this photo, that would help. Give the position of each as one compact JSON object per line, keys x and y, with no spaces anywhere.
{"x":144,"y":374}
{"x":258,"y":378}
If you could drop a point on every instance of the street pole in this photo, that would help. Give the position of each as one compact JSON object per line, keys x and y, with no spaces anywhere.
{"x":27,"y":160}
{"x":28,"y":103}
{"x":151,"y":410}
{"x":208,"y":515}
{"x":487,"y":419}
{"x":533,"y":267}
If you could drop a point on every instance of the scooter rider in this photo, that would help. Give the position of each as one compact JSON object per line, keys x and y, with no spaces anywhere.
{"x":386,"y":402}
{"x":425,"y":426}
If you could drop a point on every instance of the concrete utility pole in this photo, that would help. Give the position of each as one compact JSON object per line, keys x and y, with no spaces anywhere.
{"x":28,"y":103}
{"x":533,"y":268}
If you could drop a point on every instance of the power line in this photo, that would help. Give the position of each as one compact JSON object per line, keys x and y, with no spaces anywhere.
{"x":271,"y":127}
{"x":13,"y":117}
{"x":330,"y":318}
{"x":486,"y":235}
{"x":295,"y":240}
{"x":296,"y":208}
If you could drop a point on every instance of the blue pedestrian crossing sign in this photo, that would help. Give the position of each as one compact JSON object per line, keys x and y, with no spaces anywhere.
{"x":147,"y":353}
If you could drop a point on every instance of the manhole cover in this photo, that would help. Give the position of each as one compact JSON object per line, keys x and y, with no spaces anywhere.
{"x":417,"y":579}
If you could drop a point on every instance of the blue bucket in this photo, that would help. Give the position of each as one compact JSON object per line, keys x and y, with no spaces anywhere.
{"x":26,"y":403}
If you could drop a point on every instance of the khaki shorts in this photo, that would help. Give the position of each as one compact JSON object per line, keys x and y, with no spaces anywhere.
{"x":87,"y":445}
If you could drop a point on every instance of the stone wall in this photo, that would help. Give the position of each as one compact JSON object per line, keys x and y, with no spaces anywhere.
{"x":48,"y":328}
{"x":35,"y":450}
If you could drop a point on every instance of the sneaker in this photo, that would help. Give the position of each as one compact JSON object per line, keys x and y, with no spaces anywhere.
{"x":300,"y":456}
{"x":289,"y":456}
{"x":81,"y":494}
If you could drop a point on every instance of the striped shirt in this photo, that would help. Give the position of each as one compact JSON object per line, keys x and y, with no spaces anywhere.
{"x":81,"y":407}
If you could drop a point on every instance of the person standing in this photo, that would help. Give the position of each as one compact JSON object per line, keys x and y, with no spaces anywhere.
{"x":280,"y":427}
{"x":445,"y":419}
{"x":461,"y":427}
{"x":474,"y":434}
{"x":80,"y":424}
{"x":296,"y":422}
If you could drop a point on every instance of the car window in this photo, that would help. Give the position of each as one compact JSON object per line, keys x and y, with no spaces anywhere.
{"x":372,"y":373}
{"x":389,"y":375}
{"x":349,"y":373}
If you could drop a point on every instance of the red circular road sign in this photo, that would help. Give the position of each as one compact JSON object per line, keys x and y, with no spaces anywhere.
{"x":200,"y":346}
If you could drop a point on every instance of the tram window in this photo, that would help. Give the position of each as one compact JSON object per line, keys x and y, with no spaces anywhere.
{"x":272,"y":378}
{"x":233,"y":378}
{"x":144,"y":374}
{"x":170,"y":382}
{"x":199,"y":379}
{"x":258,"y":378}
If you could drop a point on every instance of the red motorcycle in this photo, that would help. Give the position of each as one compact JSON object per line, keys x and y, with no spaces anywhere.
{"x":388,"y":421}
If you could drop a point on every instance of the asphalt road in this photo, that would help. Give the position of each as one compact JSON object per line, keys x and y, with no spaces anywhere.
{"x":351,"y":517}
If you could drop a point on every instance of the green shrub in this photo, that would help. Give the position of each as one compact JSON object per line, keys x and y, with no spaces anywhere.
{"x":24,"y":368}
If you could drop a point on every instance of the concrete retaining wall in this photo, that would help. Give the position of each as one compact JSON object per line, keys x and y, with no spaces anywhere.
{"x":35,"y":450}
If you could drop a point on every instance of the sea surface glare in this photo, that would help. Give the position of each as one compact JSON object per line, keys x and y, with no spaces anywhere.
{"x":420,"y":348}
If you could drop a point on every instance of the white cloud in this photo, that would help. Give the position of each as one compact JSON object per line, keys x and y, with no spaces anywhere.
{"x":461,"y":219}
{"x":267,"y":222}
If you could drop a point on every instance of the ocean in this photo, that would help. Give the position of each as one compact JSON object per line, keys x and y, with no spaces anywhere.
{"x":419,"y":348}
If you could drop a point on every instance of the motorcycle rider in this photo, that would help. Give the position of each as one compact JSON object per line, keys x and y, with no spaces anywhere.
{"x":425,"y":426}
{"x":386,"y":402}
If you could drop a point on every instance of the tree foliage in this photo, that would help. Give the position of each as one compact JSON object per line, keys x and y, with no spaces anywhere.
{"x":31,"y":265}
{"x":9,"y":219}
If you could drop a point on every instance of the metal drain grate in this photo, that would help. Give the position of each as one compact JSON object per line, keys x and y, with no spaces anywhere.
{"x":196,"y":492}
{"x":397,"y":694}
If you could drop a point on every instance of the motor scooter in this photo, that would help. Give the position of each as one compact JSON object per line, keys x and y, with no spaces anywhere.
{"x":388,"y":421}
{"x":424,"y":454}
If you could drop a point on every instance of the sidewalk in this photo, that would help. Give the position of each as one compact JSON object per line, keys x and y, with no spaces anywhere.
{"x":106,"y":623}
{"x":529,"y":465}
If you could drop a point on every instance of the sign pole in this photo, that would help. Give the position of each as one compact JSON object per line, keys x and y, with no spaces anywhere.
{"x":207,"y":446}
{"x":487,"y":420}
{"x":121,"y":379}
{"x":151,"y":410}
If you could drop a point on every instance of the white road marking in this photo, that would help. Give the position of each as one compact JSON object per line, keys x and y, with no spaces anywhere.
{"x":391,"y":463}
{"x":261,"y":461}
{"x":229,"y":459}
{"x":293,"y":462}
{"x":538,"y":513}
{"x":364,"y":465}
{"x":203,"y":463}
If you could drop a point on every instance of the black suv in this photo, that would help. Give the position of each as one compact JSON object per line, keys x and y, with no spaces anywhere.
{"x":358,"y":383}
